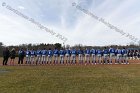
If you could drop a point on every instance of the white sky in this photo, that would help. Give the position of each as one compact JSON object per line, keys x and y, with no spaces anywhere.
{"x":61,"y":17}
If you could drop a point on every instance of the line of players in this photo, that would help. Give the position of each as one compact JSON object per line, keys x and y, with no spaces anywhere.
{"x":68,"y":56}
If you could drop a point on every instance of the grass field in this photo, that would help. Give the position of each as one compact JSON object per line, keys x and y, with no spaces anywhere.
{"x":70,"y":79}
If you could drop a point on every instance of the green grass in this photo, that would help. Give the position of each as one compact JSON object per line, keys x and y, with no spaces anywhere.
{"x":70,"y":79}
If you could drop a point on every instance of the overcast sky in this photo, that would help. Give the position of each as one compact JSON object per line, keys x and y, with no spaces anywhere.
{"x":61,"y":17}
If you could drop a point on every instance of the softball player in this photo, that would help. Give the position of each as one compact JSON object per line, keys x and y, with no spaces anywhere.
{"x":99,"y":56}
{"x":105,"y":56}
{"x":119,"y":56}
{"x":38,"y":59}
{"x":28,"y":56}
{"x":87,"y":56}
{"x":67,"y":54}
{"x":80,"y":55}
{"x":93,"y":55}
{"x":50,"y":54}
{"x":55,"y":54}
{"x":73,"y":56}
{"x":62,"y":53}
{"x":33,"y":54}
{"x":124,"y":55}
{"x":112,"y":54}
{"x":44,"y":56}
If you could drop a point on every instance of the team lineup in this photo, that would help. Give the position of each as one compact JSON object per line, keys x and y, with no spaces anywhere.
{"x":69,"y":56}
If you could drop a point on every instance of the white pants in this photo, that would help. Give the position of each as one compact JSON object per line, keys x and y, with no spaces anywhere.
{"x":61,"y":59}
{"x":55,"y":58}
{"x":73,"y":58}
{"x":49,"y":59}
{"x":112,"y":55}
{"x":119,"y":57}
{"x":32,"y":59}
{"x":28,"y":59}
{"x":38,"y":59}
{"x":99,"y":58}
{"x":67,"y":57}
{"x":80,"y":58}
{"x":87,"y":57}
{"x":93,"y":57}
{"x":125,"y":58}
{"x":43,"y":58}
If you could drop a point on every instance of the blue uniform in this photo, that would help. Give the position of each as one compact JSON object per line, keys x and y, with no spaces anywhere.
{"x":62,"y":53}
{"x":119,"y":55}
{"x":80,"y":53}
{"x":73,"y":52}
{"x":33,"y":53}
{"x":28,"y":53}
{"x":125,"y":59}
{"x":99,"y":54}
{"x":73,"y":55}
{"x":124,"y":51}
{"x":112,"y":50}
{"x":44,"y":52}
{"x":68,"y":53}
{"x":55,"y":52}
{"x":93,"y":51}
{"x":50,"y":52}
{"x":39,"y":52}
{"x":87,"y":51}
{"x":105,"y":51}
{"x":112,"y":54}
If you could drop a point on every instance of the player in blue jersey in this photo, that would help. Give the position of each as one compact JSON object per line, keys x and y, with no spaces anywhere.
{"x":67,"y":55}
{"x":39,"y":54}
{"x":55,"y":54}
{"x":62,"y":53}
{"x":93,"y":55}
{"x":80,"y":55}
{"x":112,"y":54}
{"x":99,"y":56}
{"x":33,"y":54}
{"x":44,"y":56}
{"x":28,"y":56}
{"x":124,"y":55}
{"x":119,"y":56}
{"x":49,"y":58}
{"x":87,"y":56}
{"x":73,"y":56}
{"x":105,"y":55}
